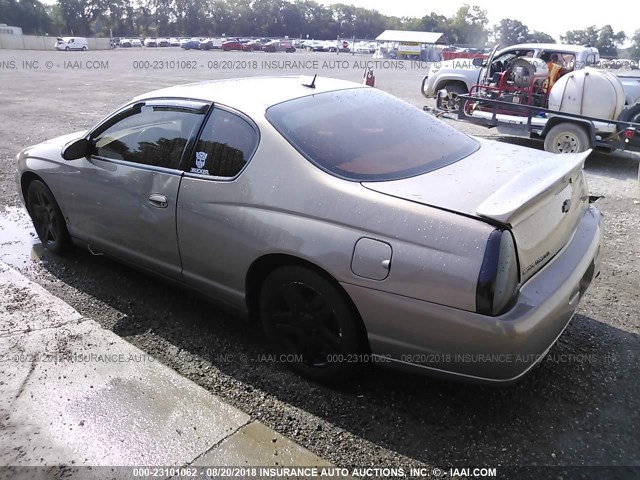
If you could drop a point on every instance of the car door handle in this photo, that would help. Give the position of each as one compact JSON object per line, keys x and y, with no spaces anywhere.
{"x":158,"y":200}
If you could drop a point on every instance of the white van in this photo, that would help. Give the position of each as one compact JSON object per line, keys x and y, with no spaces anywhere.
{"x":71,"y":43}
{"x":216,"y":43}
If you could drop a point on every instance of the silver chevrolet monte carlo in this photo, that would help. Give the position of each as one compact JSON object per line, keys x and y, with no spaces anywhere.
{"x":352,"y":224}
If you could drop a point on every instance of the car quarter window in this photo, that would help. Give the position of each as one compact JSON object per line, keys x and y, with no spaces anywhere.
{"x":153,"y":134}
{"x":226,"y":144}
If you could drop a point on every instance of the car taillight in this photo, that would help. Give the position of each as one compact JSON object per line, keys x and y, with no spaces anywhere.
{"x":498,"y":279}
{"x":628,"y":133}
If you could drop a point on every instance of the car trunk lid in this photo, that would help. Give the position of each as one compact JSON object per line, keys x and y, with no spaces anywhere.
{"x":539,"y":196}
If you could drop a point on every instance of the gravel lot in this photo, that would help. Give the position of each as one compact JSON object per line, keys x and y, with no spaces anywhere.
{"x":578,"y":408}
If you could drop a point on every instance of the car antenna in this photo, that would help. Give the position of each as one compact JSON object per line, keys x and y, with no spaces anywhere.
{"x":312,"y":84}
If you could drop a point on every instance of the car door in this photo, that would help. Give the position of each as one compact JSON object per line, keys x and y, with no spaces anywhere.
{"x":487,"y":69}
{"x":126,"y":192}
{"x":213,"y":214}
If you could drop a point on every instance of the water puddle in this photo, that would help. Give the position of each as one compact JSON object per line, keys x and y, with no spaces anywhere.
{"x":19,"y":244}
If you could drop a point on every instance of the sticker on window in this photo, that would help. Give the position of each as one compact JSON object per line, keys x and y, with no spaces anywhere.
{"x":201,"y":158}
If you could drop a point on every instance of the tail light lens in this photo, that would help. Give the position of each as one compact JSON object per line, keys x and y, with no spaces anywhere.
{"x":629,"y":132}
{"x":498,"y":280}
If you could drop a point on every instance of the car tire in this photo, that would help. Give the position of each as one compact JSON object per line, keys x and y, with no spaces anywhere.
{"x":66,"y":49}
{"x":47,"y":217}
{"x":567,"y":138}
{"x":311,"y":324}
{"x":84,"y":49}
{"x":453,"y":90}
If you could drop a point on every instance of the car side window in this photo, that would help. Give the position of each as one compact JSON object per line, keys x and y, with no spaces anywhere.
{"x":226,"y":144}
{"x":151,"y":135}
{"x":501,"y":63}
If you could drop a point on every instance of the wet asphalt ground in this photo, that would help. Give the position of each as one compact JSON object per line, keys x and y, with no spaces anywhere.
{"x":578,"y":408}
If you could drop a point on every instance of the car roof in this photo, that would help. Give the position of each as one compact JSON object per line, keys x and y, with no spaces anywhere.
{"x":252,"y":91}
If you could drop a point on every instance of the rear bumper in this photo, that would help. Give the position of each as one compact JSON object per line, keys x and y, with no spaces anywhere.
{"x":415,"y":334}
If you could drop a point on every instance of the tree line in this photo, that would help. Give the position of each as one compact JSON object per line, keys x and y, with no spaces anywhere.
{"x":278,"y":18}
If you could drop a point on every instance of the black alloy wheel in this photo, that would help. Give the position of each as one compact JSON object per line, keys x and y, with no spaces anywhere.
{"x":47,"y":217}
{"x":311,"y":324}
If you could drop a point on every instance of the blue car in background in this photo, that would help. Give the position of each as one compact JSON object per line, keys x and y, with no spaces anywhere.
{"x":197,"y":44}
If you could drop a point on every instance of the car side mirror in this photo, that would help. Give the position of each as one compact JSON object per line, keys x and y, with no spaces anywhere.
{"x":77,"y":149}
{"x":478,"y":62}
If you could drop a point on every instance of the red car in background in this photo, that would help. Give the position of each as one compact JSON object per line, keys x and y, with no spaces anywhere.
{"x":279,"y":46}
{"x":233,"y":44}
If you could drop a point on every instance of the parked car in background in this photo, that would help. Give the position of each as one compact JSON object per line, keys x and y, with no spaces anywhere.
{"x":352,"y":224}
{"x":136,"y":42}
{"x":216,"y":43}
{"x":233,"y":44}
{"x":150,"y":42}
{"x":279,"y":46}
{"x":362,"y":47}
{"x":191,"y":44}
{"x":315,"y":46}
{"x":71,"y":43}
{"x":331,"y":46}
{"x":124,"y":43}
{"x":206,"y":44}
{"x":174,"y":42}
{"x":254,"y":45}
{"x":163,"y":42}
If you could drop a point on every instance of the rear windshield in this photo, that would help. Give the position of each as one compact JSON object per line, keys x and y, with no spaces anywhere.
{"x":365,"y":134}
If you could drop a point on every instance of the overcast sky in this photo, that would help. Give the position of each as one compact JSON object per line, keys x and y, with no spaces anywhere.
{"x":553,"y":17}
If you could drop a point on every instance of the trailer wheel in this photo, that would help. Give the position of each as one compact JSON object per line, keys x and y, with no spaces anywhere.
{"x":567,"y":138}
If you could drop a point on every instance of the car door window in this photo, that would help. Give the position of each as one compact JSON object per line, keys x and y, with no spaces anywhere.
{"x":226,"y":144}
{"x":506,"y":60}
{"x":150,"y":135}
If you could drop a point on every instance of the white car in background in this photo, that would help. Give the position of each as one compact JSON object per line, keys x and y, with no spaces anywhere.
{"x":135,"y":42}
{"x":71,"y":43}
{"x":362,"y":47}
{"x":216,"y":43}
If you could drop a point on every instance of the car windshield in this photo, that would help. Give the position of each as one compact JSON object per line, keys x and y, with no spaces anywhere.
{"x":364,"y":134}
